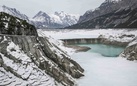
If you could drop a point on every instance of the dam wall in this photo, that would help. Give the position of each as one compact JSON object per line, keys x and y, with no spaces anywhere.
{"x":94,"y":41}
{"x":82,"y":41}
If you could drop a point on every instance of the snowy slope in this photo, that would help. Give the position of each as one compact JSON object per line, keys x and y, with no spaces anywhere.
{"x":42,"y":17}
{"x":28,"y":73}
{"x":55,"y":41}
{"x":13,"y":12}
{"x":56,"y":20}
{"x":66,"y":19}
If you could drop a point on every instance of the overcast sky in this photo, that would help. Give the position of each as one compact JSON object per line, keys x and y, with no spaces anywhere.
{"x":31,"y":7}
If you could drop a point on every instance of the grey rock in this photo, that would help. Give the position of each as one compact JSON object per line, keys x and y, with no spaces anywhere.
{"x":130,"y":52}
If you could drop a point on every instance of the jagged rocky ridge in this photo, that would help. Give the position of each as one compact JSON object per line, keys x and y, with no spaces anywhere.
{"x":27,"y":59}
{"x":14,"y":12}
{"x":110,"y":14}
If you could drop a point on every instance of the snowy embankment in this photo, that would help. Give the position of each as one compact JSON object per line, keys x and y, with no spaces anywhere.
{"x":121,"y":35}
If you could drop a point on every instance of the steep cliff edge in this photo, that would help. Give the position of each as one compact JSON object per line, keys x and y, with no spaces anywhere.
{"x":26,"y":59}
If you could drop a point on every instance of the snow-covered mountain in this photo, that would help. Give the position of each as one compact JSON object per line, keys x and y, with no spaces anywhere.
{"x":106,"y":7}
{"x":13,"y":12}
{"x":56,"y":20}
{"x":110,"y":14}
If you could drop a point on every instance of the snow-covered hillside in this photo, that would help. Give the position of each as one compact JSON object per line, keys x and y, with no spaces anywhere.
{"x":56,"y":20}
{"x":21,"y":73}
{"x":13,"y":12}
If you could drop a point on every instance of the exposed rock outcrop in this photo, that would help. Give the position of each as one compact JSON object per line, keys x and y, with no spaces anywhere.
{"x":15,"y":26}
{"x":114,"y":42}
{"x":130,"y":51}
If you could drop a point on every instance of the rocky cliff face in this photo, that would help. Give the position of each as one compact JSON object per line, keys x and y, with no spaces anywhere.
{"x":111,"y":14}
{"x":26,"y":59}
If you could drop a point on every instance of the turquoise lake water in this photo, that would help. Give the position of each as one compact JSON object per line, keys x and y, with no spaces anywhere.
{"x":105,"y":50}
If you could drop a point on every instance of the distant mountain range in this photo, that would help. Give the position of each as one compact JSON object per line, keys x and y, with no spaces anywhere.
{"x":44,"y":20}
{"x":56,"y":20}
{"x":110,"y":14}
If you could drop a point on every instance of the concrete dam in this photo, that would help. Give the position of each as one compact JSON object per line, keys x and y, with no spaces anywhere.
{"x":82,"y":41}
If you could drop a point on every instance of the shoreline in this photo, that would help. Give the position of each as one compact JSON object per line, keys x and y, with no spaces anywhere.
{"x":78,"y":48}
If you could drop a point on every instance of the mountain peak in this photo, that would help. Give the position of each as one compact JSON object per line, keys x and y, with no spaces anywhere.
{"x":41,"y":13}
{"x":89,"y":11}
